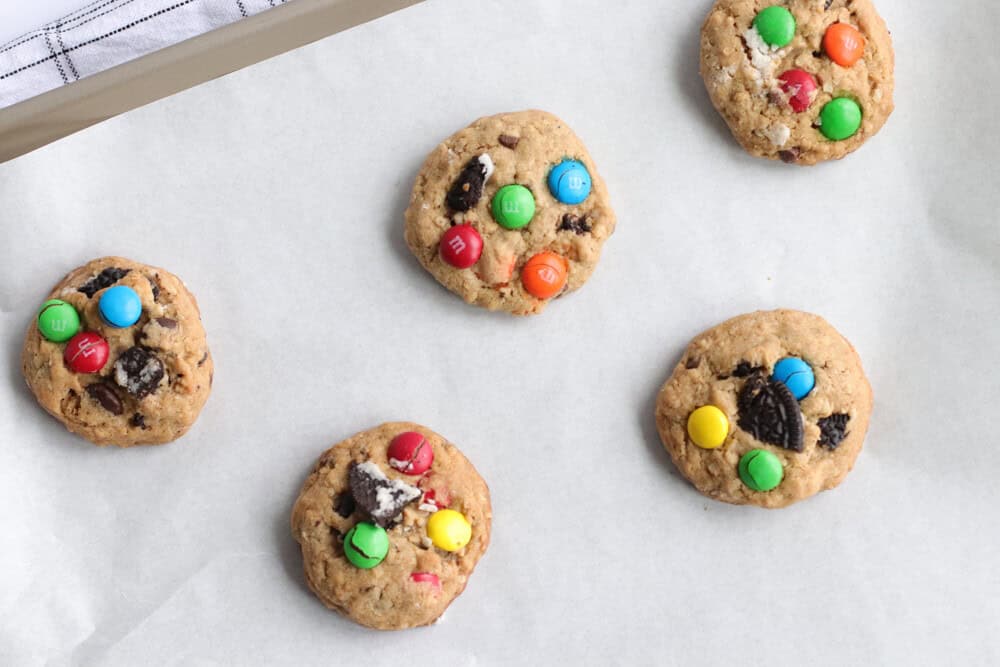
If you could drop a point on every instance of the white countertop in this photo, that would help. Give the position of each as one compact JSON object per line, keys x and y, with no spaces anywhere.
{"x":277,"y":194}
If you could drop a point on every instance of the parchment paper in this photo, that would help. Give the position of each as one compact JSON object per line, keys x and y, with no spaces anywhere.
{"x":277,"y":193}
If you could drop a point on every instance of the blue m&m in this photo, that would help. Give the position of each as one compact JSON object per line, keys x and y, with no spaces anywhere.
{"x":569,"y":182}
{"x":120,"y":306}
{"x":795,"y":374}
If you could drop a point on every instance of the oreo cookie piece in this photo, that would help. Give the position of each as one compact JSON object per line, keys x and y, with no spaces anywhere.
{"x":106,"y":278}
{"x":138,"y":371}
{"x":833,"y":430}
{"x":769,"y":412}
{"x":382,"y":498}
{"x":468,"y":188}
{"x":575,"y":223}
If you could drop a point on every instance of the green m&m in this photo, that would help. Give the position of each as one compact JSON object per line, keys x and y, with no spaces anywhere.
{"x":775,"y":25}
{"x":58,"y":321}
{"x":513,"y":206}
{"x":840,"y":118}
{"x":366,"y":545}
{"x":761,"y":470}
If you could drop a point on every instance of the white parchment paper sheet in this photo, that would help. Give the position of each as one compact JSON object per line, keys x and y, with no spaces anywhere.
{"x":277,"y":193}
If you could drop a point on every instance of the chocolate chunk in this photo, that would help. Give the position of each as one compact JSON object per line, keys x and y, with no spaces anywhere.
{"x":106,"y":396}
{"x":138,"y":371}
{"x":468,"y":188}
{"x":745,"y":370}
{"x":155,"y":288}
{"x":138,"y":421}
{"x":692,"y":363}
{"x":827,"y":4}
{"x":574,"y":223}
{"x":833,"y":430}
{"x":509,"y":141}
{"x":105,"y":278}
{"x":345,"y":505}
{"x":204,"y":358}
{"x":379,"y":496}
{"x":166,"y":322}
{"x":742,"y":370}
{"x":790,"y":156}
{"x":769,"y":412}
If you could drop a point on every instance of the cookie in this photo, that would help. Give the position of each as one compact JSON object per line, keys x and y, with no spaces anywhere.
{"x":766,"y":409}
{"x":510,"y":212}
{"x":801,"y":81}
{"x":118,"y":354}
{"x":391,"y":523}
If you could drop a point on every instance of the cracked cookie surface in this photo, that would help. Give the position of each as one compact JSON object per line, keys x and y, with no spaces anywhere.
{"x":159,"y":370}
{"x":416,"y":581}
{"x":730,"y":367}
{"x":741,"y":73}
{"x":522,"y":149}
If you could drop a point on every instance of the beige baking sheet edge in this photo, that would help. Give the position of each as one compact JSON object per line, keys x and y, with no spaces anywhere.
{"x":50,"y":116}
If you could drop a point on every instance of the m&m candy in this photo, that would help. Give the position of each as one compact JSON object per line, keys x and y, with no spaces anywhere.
{"x":86,"y":352}
{"x":844,"y":44}
{"x":840,"y":119}
{"x":569,"y":182}
{"x":796,"y":374}
{"x":120,"y":306}
{"x":513,"y":206}
{"x":545,"y":274}
{"x":366,"y":545}
{"x":760,"y":470}
{"x":461,"y":246}
{"x":449,"y":530}
{"x":708,"y":427}
{"x":775,"y":25}
{"x":58,"y":321}
{"x":411,"y":453}
{"x":428,"y":578}
{"x":800,"y":86}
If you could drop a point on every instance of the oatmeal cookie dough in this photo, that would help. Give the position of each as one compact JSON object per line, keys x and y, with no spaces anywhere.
{"x":766,"y":409}
{"x":802,"y":81}
{"x":392,"y":522}
{"x":118,"y":354}
{"x":510,"y":212}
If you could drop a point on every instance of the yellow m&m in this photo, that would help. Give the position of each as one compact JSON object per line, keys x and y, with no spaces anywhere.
{"x":449,"y":530}
{"x":708,"y":427}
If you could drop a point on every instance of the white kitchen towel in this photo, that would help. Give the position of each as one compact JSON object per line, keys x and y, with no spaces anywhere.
{"x":108,"y":33}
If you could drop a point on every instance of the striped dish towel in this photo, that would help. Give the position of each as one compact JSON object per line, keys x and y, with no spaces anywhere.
{"x":107,"y":33}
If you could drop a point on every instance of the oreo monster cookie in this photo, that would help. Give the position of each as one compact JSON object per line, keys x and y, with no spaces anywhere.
{"x":118,"y":354}
{"x":800,"y":81}
{"x":510,"y":213}
{"x":392,"y":522}
{"x":766,"y":409}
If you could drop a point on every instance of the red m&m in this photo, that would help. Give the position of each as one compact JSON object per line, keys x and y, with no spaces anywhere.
{"x":427,"y":578}
{"x":801,"y":88}
{"x":461,"y":246}
{"x":86,"y":352}
{"x":411,"y":453}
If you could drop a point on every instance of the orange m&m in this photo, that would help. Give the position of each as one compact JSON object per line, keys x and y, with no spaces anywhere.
{"x":544,"y":275}
{"x":844,"y":44}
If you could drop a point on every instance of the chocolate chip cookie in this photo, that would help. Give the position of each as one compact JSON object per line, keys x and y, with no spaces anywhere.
{"x":766,"y":409}
{"x":510,"y":212}
{"x":118,"y":354}
{"x":799,"y":80}
{"x":391,"y":523}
